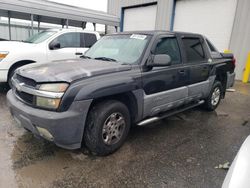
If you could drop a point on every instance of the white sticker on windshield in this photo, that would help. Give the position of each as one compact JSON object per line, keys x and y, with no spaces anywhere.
{"x":137,"y":36}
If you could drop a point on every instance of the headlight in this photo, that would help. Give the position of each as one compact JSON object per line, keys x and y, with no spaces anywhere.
{"x":47,"y":102}
{"x":58,"y":87}
{"x":3,"y":54}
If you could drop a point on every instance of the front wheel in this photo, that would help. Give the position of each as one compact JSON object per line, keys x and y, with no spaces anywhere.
{"x":107,"y":127}
{"x":213,"y":100}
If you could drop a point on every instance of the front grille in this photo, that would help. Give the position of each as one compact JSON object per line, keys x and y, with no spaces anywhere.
{"x":25,"y":97}
{"x":26,"y":81}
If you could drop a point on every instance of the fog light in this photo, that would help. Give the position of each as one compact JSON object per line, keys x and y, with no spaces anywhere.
{"x":45,"y":133}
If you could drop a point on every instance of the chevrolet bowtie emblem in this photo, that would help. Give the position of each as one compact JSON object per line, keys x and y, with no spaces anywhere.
{"x":18,"y":86}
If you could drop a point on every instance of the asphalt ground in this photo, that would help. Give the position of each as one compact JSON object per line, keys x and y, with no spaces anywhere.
{"x":180,"y":151}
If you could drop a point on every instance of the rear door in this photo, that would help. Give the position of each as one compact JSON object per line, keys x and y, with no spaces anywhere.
{"x":198,"y":63}
{"x":87,"y":40}
{"x":165,"y":87}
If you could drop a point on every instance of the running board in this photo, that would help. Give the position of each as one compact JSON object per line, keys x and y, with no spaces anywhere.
{"x":167,"y":114}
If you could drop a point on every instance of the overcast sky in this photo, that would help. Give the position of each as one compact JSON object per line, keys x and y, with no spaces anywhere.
{"x":91,"y":4}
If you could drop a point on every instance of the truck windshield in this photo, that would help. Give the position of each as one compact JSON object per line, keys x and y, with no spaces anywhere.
{"x":40,"y":37}
{"x":121,"y":48}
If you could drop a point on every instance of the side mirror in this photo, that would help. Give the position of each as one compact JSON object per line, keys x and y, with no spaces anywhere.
{"x":54,"y":45}
{"x":161,"y":60}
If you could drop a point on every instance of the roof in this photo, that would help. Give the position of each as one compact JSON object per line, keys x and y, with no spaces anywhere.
{"x":157,"y":32}
{"x":51,"y":12}
{"x":71,"y":30}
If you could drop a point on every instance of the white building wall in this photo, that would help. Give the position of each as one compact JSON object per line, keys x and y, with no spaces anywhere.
{"x":240,"y":38}
{"x":164,"y":11}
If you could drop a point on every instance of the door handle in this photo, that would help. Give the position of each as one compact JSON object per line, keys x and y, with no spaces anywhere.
{"x":78,"y":53}
{"x":182,"y":71}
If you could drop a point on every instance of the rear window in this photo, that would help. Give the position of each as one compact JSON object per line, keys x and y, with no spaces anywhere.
{"x":194,"y":50}
{"x":88,"y":39}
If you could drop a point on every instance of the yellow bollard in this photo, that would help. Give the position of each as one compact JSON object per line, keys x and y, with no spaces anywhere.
{"x":246,"y":70}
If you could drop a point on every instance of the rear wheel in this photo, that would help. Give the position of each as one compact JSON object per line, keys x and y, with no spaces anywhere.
{"x":107,"y":127}
{"x":213,"y":100}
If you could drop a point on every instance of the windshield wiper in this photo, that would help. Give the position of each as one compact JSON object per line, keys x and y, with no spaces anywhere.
{"x":105,"y":59}
{"x":85,"y":57}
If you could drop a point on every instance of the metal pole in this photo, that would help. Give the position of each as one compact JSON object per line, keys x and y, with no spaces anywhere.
{"x":63,"y":23}
{"x":32,"y":24}
{"x":84,"y":25}
{"x":38,"y":23}
{"x":9,"y":25}
{"x":94,"y":24}
{"x":106,"y":29}
{"x":38,"y":26}
{"x":67,"y":23}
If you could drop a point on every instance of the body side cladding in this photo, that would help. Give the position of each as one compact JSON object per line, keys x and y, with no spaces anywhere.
{"x":139,"y":93}
{"x":167,"y":100}
{"x":230,"y":79}
{"x":163,"y":101}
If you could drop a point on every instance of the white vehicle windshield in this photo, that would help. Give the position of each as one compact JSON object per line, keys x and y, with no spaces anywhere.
{"x":121,"y":48}
{"x":40,"y":37}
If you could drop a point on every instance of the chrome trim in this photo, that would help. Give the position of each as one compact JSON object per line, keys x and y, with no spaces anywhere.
{"x":24,"y":88}
{"x":147,"y":121}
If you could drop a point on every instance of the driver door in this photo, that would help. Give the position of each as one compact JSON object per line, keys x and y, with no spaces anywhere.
{"x":165,"y":87}
{"x":69,"y":42}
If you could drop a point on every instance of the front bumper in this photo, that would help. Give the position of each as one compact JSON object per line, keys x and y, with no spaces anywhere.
{"x":66,"y":128}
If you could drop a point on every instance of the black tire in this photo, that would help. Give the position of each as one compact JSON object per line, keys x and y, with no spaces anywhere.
{"x":99,"y":119}
{"x":210,"y":104}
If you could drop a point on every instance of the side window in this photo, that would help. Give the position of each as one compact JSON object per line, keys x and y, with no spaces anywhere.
{"x":170,"y":47}
{"x":210,"y":46}
{"x":88,"y":40}
{"x":194,"y":50}
{"x":69,"y":40}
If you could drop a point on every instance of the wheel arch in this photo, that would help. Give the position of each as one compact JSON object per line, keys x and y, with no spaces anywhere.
{"x":19,"y":64}
{"x":127,"y":98}
{"x":221,"y":75}
{"x":222,"y":78}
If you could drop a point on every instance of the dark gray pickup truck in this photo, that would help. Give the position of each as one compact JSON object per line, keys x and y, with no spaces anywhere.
{"x":130,"y":78}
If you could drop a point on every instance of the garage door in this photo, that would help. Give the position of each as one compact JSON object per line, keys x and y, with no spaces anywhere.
{"x":139,"y":18}
{"x":213,"y":18}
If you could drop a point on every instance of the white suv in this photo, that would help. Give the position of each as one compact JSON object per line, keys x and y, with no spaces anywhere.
{"x":46,"y":46}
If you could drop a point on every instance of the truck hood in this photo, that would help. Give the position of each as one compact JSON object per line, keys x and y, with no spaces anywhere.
{"x":14,"y":45}
{"x":70,"y":70}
